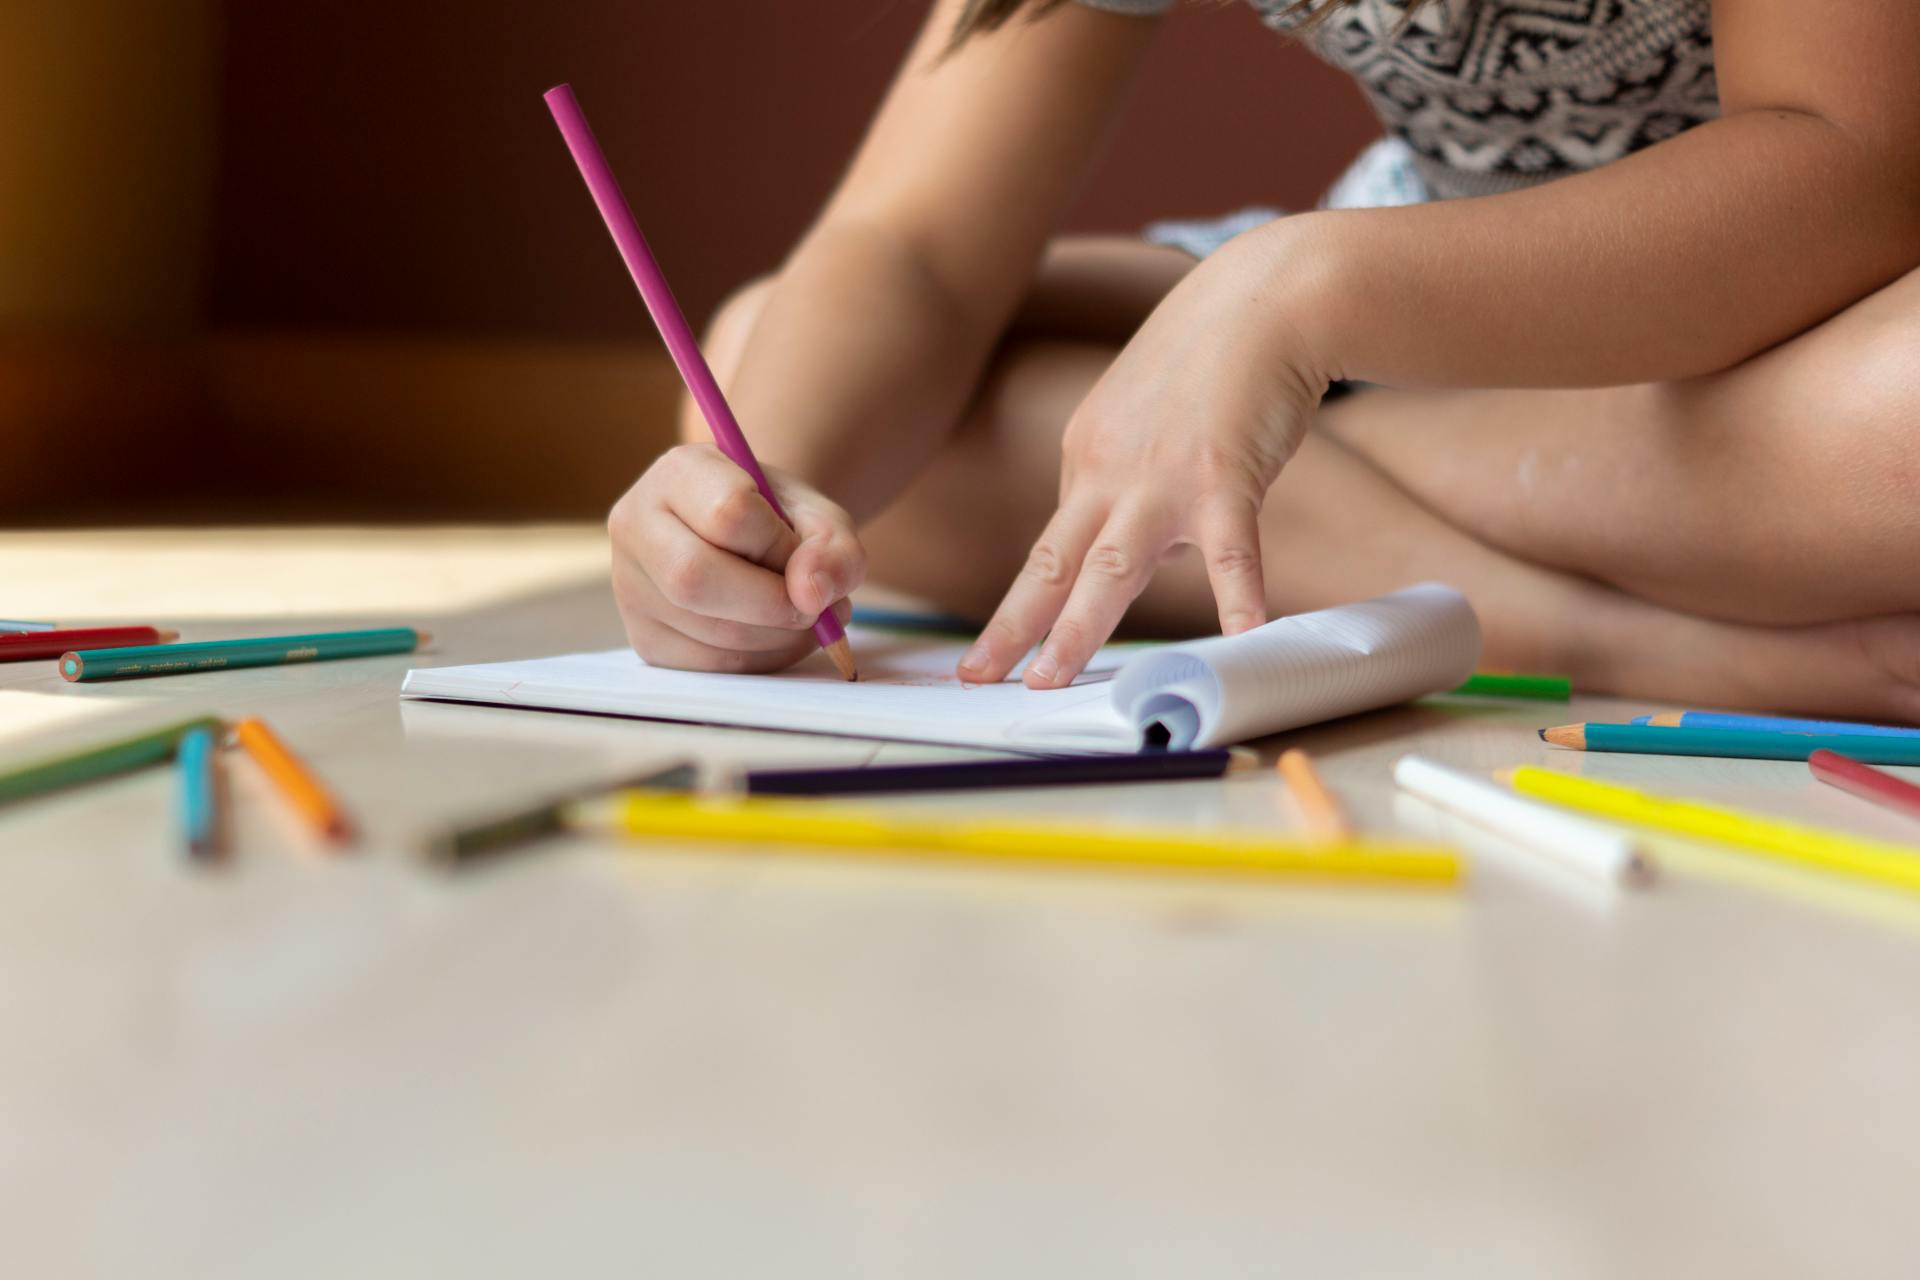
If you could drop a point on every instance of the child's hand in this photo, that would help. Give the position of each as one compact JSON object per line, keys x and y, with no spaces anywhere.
{"x":708,"y":578}
{"x":1176,"y":444}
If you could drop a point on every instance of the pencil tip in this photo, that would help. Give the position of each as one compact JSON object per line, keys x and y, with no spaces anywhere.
{"x":167,"y":635}
{"x":422,"y":638}
{"x":1542,"y":733}
{"x":841,"y":654}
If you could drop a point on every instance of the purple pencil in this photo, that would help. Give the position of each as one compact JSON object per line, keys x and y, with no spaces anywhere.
{"x":674,"y":329}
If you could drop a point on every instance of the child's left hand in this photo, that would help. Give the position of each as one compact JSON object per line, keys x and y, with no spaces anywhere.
{"x":1177,"y":444}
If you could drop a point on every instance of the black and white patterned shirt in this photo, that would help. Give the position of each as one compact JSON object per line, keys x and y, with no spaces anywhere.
{"x":1483,"y":96}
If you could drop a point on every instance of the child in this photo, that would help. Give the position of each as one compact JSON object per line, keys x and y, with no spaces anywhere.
{"x":1643,"y":290}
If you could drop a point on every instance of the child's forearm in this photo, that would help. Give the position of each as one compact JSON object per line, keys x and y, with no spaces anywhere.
{"x":1679,"y":260}
{"x":857,"y":366}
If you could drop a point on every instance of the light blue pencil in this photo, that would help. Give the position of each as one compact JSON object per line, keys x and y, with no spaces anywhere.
{"x":1776,"y":724}
{"x":7,"y":625}
{"x":199,"y":793}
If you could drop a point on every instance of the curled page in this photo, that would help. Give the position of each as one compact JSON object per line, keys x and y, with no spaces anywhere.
{"x":1300,"y":670}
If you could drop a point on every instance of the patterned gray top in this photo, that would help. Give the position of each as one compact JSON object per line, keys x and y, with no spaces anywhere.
{"x":1493,"y":95}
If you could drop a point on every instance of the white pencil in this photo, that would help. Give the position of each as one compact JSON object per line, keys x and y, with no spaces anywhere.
{"x":1589,"y":847}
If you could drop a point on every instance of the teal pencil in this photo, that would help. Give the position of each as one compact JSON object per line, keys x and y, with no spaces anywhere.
{"x":199,"y":763}
{"x":1746,"y":744}
{"x":224,"y":655}
{"x":102,"y":760}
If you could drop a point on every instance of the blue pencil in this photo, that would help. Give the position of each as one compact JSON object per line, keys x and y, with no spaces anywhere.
{"x":7,"y":625}
{"x":1776,"y":724}
{"x":199,"y":793}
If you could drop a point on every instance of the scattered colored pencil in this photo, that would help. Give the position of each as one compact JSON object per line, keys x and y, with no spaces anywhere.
{"x":945,"y":624}
{"x":1495,"y":684}
{"x":99,"y":761}
{"x":23,"y":645}
{"x":304,"y":791}
{"x":1835,"y":851}
{"x":1775,"y":724}
{"x":536,"y":821}
{"x":674,"y":329}
{"x":201,"y":820}
{"x":1744,"y":744}
{"x":1151,"y":766}
{"x":224,"y":655}
{"x":1866,"y":781}
{"x":771,"y":825}
{"x":1320,"y":811}
{"x":9,"y":625}
{"x":1587,"y":847}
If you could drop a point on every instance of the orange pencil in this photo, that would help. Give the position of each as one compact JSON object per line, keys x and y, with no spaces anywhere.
{"x":296,"y":782}
{"x":1321,"y":812}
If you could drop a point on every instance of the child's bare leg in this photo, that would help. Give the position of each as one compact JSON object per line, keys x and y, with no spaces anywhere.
{"x":1784,"y":490}
{"x":1335,"y":529}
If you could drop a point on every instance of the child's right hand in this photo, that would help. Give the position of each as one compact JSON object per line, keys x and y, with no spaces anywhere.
{"x":708,"y":578}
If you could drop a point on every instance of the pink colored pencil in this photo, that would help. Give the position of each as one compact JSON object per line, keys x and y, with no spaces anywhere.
{"x":673,"y":327}
{"x":1865,"y":781}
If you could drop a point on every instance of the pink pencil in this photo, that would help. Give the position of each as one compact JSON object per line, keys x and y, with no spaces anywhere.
{"x":674,"y":329}
{"x":1865,"y":781}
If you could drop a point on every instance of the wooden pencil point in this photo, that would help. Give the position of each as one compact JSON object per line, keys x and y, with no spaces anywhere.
{"x":842,"y":654}
{"x":1668,"y":719}
{"x":1567,"y":735}
{"x":168,"y":635}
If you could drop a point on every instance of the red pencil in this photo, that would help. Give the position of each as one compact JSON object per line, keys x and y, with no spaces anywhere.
{"x":51,"y":644}
{"x":1865,"y":781}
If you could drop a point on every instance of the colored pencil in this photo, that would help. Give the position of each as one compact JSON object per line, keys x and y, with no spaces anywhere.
{"x":8,"y":626}
{"x":224,"y":655}
{"x":1587,"y":847}
{"x":1495,"y":684}
{"x":1320,"y":811}
{"x":503,"y":831}
{"x":773,"y":825}
{"x":1775,"y":724}
{"x":1866,"y":781}
{"x":102,"y":760}
{"x":1834,"y":851}
{"x":962,"y":775}
{"x":304,"y":791}
{"x":674,"y":329}
{"x":944,"y":624}
{"x":202,"y":827}
{"x":1744,"y":744}
{"x":51,"y":644}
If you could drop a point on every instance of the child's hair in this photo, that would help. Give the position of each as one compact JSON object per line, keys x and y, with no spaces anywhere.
{"x":991,"y":15}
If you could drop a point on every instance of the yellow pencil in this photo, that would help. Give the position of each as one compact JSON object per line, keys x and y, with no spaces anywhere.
{"x":1834,"y":851}
{"x":1319,"y":809}
{"x":303,"y":791}
{"x":775,"y":823}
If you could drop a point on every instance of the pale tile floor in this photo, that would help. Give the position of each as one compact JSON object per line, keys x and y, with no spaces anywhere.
{"x":593,"y":1059}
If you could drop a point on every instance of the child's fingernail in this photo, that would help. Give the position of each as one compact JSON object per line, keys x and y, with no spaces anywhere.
{"x":1044,"y":669}
{"x":822,"y":588}
{"x":975,"y":659}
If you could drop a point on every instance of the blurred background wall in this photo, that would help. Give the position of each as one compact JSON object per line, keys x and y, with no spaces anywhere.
{"x":328,"y":260}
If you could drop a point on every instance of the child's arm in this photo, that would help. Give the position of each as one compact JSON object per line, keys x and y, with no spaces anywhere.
{"x":1684,"y":258}
{"x":1679,"y":260}
{"x":873,"y":336}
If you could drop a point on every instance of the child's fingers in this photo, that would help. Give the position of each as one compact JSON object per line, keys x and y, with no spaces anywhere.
{"x":1114,"y":572}
{"x":720,"y":502}
{"x":1035,"y":598}
{"x":637,"y":594}
{"x":1230,"y":545}
{"x":829,"y":563}
{"x":697,"y":577}
{"x":664,"y":646}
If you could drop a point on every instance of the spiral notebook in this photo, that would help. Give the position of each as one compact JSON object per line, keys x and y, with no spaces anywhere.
{"x":1205,"y":693}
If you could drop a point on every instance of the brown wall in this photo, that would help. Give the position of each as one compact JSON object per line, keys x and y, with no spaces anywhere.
{"x":389,"y":164}
{"x":329,"y":260}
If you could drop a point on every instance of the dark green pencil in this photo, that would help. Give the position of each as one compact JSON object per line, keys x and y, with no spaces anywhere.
{"x":224,"y":655}
{"x":1745,"y":744}
{"x":504,"y":831}
{"x":102,"y":761}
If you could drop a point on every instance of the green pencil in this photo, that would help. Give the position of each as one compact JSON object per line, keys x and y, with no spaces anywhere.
{"x":1489,"y":684}
{"x":105,"y":760}
{"x":1746,"y":744}
{"x":222,"y":655}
